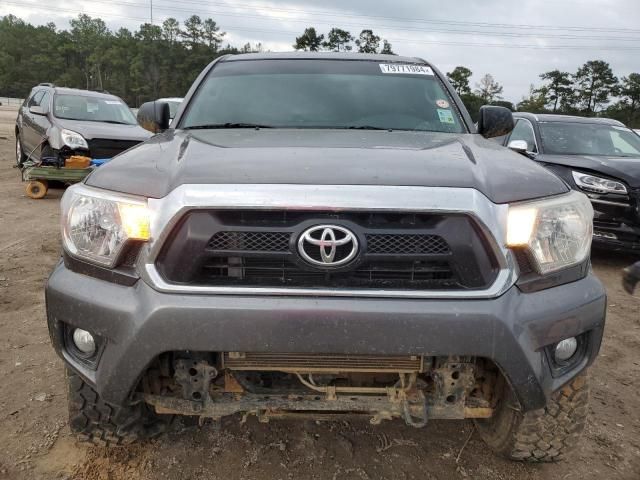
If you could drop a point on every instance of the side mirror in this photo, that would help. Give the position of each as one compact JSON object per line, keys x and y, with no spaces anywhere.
{"x":154,"y":116}
{"x":495,"y":121}
{"x":37,"y":110}
{"x":519,"y":146}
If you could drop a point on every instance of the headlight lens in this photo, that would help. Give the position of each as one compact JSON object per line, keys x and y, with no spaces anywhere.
{"x":73,"y":139}
{"x":97,"y":225}
{"x":557,"y":232}
{"x":594,"y":184}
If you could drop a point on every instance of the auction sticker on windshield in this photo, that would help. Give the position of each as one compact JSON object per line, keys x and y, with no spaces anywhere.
{"x":406,"y":69}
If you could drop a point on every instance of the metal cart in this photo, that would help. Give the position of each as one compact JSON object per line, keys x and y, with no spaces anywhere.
{"x":38,"y":178}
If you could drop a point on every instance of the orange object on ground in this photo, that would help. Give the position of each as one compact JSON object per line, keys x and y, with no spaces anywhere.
{"x":77,"y":161}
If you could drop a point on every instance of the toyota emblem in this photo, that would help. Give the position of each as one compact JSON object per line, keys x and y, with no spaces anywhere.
{"x":328,"y":245}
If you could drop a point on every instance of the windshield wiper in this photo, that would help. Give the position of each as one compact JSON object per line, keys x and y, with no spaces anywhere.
{"x":364,"y":127}
{"x":226,"y":125}
{"x":116,"y":122}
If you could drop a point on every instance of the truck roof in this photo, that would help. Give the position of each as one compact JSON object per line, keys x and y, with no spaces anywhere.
{"x":86,"y":93}
{"x":550,"y":117}
{"x":374,"y":57}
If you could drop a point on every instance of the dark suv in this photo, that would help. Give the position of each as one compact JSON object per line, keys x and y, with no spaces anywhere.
{"x":597,"y":156}
{"x":55,"y":123}
{"x":327,"y":234}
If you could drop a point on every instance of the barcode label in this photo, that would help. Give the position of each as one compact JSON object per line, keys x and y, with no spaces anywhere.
{"x":406,"y":69}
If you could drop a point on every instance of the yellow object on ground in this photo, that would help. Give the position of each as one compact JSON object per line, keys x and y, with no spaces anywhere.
{"x":77,"y":161}
{"x":37,"y":189}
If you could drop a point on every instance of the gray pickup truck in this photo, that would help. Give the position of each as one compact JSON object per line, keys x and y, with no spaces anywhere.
{"x":327,"y":234}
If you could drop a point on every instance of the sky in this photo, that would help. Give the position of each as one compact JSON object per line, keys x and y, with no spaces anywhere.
{"x":514,"y":40}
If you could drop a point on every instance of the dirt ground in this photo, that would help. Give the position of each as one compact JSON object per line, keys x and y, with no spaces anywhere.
{"x":35,"y":442}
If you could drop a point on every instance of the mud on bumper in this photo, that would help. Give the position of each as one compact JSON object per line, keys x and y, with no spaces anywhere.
{"x":136,"y":324}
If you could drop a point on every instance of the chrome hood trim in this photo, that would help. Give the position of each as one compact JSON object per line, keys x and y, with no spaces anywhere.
{"x":167,"y":211}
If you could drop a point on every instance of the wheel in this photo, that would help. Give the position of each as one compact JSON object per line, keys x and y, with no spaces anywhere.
{"x":37,"y":189}
{"x":544,"y":435}
{"x":20,"y":156}
{"x":100,"y":423}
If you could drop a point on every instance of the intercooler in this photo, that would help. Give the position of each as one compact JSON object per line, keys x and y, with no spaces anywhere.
{"x":321,"y":363}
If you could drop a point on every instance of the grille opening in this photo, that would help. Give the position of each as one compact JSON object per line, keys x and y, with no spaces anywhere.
{"x":250,"y":241}
{"x":287,"y":218}
{"x":377,"y":243}
{"x":107,"y":148}
{"x":373,"y":274}
{"x":401,"y":250}
{"x":399,"y":244}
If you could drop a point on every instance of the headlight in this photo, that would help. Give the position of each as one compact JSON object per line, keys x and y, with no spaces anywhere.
{"x":72,"y":139}
{"x":96,"y":225}
{"x":594,"y":184}
{"x":556,"y":232}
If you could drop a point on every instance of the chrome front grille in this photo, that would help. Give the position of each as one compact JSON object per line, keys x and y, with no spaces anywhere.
{"x":185,"y":221}
{"x":409,"y":251}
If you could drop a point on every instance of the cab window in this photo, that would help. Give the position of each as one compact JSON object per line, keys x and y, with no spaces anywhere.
{"x":621,"y":144}
{"x":36,"y":98}
{"x":524,"y":131}
{"x":44,"y":101}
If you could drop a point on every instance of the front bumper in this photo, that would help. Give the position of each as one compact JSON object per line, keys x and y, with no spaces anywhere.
{"x":616,"y":225}
{"x":616,"y":237}
{"x":137,"y":323}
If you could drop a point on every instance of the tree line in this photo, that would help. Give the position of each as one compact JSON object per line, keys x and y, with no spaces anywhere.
{"x":163,"y":60}
{"x":339,"y":40}
{"x":154,"y":61}
{"x":593,"y":90}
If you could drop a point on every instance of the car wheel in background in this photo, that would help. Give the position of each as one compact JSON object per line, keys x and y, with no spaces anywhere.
{"x":20,"y":156}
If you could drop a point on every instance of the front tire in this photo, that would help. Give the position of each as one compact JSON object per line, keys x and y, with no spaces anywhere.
{"x":544,"y":435}
{"x":103,"y":424}
{"x":20,"y":156}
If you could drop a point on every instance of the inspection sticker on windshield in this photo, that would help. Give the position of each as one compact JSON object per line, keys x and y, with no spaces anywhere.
{"x":406,"y":69}
{"x":112,"y":102}
{"x":446,"y":116}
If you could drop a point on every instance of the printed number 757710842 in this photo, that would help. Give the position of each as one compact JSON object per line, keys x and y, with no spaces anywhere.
{"x":405,"y":69}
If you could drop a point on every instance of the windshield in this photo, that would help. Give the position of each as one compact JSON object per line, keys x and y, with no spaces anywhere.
{"x":92,"y":109}
{"x":322,"y":94}
{"x":589,"y":139}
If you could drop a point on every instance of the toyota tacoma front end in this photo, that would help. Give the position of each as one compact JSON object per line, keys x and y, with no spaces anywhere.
{"x":324,"y":235}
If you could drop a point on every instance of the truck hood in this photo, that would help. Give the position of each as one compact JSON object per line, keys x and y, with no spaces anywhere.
{"x":113,"y":131}
{"x":325,"y":157}
{"x":626,"y":169}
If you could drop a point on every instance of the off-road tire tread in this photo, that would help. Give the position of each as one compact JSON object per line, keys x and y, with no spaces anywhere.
{"x":97,"y":422}
{"x":544,"y":435}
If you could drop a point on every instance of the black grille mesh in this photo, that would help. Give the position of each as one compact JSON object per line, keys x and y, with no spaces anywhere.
{"x":275,"y":271}
{"x":251,"y":241}
{"x":399,"y":244}
{"x":107,"y":148}
{"x":390,"y":244}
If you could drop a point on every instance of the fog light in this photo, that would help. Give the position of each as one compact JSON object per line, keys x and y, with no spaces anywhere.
{"x":565,"y":349}
{"x":84,"y":341}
